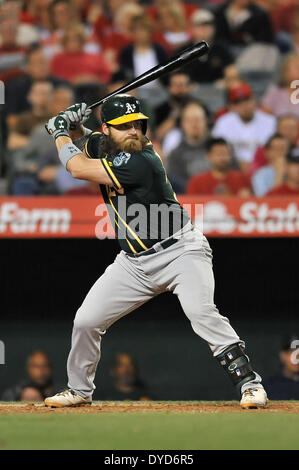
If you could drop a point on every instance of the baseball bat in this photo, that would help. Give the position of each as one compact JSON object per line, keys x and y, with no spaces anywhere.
{"x":180,"y":60}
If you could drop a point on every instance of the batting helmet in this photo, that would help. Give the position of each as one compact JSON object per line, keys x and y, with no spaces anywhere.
{"x":122,"y":108}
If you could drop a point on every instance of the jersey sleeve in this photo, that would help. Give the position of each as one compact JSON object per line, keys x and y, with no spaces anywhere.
{"x":128,"y":170}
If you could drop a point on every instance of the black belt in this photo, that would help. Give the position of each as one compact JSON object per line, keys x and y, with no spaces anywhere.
{"x":151,"y":251}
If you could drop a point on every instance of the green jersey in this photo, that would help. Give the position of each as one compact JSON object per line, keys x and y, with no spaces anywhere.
{"x":141,"y":203}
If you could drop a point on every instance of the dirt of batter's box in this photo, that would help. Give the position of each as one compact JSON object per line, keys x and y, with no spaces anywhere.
{"x":137,"y":407}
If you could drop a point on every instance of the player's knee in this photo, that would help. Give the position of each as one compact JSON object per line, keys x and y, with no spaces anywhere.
{"x":81,"y":321}
{"x":84,"y":320}
{"x":199,"y":311}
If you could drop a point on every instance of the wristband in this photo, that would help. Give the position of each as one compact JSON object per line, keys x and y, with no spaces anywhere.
{"x":67,"y":152}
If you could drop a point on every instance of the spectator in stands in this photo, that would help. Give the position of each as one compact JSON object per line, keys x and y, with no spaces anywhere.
{"x":268,"y":5}
{"x":187,"y":9}
{"x":36,"y":169}
{"x":12,"y":55}
{"x":17,"y":90}
{"x":117,"y":80}
{"x":242,"y":22}
{"x":210,"y":67}
{"x":168,"y":113}
{"x":231,"y":79}
{"x":245,"y":127}
{"x":291,"y":185}
{"x":126,"y":384}
{"x":142,"y":54}
{"x":64,"y":14}
{"x":172,"y":32}
{"x":287,"y":127}
{"x":40,"y":97}
{"x":271,"y":175}
{"x":10,"y":11}
{"x":278,"y":98}
{"x":30,"y":394}
{"x":39,"y":376}
{"x":285,"y":17}
{"x":107,"y":20}
{"x":295,"y":38}
{"x":189,"y":157}
{"x":285,"y":384}
{"x":121,"y":33}
{"x":78,"y":66}
{"x":103,"y":16}
{"x":221,"y":180}
{"x":38,"y":13}
{"x":48,"y":165}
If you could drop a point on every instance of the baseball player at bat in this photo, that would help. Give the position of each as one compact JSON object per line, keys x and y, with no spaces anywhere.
{"x":155,"y":257}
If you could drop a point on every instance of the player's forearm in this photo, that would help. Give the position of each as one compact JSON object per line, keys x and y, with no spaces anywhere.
{"x":61,"y":141}
{"x":84,"y":168}
{"x":80,"y":166}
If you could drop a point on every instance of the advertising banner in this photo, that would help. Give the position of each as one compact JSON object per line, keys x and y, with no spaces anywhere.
{"x":87,"y":216}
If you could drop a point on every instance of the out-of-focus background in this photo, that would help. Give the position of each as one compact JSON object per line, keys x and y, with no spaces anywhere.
{"x":226,"y":127}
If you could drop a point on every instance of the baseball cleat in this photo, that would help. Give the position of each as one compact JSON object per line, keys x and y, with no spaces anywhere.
{"x":254,"y":398}
{"x":66,"y":398}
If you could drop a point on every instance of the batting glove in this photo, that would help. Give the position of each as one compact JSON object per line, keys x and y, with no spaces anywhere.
{"x":58,"y":126}
{"x":78,"y":113}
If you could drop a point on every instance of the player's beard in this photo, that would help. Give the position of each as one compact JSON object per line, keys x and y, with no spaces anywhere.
{"x":129,"y":144}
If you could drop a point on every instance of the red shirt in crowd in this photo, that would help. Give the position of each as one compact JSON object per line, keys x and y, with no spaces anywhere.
{"x":116,"y":41}
{"x":11,"y":54}
{"x":283,"y":16}
{"x":259,"y":160}
{"x":69,"y":66}
{"x":206,"y":183}
{"x":283,"y":190}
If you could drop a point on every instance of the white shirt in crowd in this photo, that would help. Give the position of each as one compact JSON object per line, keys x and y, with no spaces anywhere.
{"x":172,"y":140}
{"x":143,"y":62}
{"x":245,"y":137}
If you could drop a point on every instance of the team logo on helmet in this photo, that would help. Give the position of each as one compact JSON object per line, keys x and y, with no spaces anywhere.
{"x":130,"y":108}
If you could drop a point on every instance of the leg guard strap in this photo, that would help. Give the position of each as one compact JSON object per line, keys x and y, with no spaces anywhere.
{"x":236,"y":364}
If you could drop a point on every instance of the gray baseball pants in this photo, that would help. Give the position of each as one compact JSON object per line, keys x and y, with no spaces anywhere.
{"x":184,"y":268}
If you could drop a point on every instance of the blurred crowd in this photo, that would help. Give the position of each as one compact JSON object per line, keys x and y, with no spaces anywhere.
{"x":226,"y":124}
{"x":123,"y":380}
